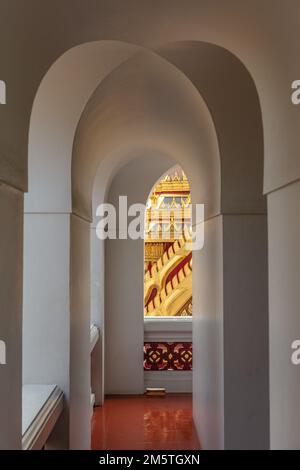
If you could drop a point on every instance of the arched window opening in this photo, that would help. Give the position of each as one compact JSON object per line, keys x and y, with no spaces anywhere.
{"x":168,"y":285}
{"x":168,"y":255}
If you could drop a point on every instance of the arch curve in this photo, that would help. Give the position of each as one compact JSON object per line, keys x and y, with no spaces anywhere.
{"x":147,"y":103}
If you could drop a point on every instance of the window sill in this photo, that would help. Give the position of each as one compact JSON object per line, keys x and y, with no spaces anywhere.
{"x":42,"y":405}
{"x":168,"y":329}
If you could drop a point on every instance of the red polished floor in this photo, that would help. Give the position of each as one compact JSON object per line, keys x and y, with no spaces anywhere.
{"x":142,"y":423}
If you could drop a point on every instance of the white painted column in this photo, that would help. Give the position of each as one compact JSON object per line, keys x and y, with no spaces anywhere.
{"x":208,"y":350}
{"x":80,"y":358}
{"x":46,"y":308}
{"x":124,"y":281}
{"x":284,"y":319}
{"x":11,"y":261}
{"x":124,"y":319}
{"x":245,"y":329}
{"x":56,"y":346}
{"x":97,"y":313}
{"x":230,"y":334}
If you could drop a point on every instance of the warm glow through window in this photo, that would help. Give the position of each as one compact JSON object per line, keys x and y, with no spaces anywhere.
{"x":168,"y":261}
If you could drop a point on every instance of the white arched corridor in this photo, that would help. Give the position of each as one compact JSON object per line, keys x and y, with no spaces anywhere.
{"x":168,"y":130}
{"x":107,"y":112}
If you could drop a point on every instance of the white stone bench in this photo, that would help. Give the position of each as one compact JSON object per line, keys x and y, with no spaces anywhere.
{"x":94,"y":337}
{"x":42,"y":405}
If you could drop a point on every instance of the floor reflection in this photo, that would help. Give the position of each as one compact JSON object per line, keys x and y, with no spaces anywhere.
{"x":145,"y":423}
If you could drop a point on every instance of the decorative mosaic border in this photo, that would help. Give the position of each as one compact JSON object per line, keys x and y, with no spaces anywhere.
{"x":168,"y":356}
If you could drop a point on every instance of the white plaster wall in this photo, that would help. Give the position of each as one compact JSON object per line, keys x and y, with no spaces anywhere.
{"x":80,"y":358}
{"x":11,"y":261}
{"x":58,"y":104}
{"x":124,"y":323}
{"x":284,"y":317}
{"x":230,"y":334}
{"x":97,"y":278}
{"x":246,"y":353}
{"x":208,"y":361}
{"x":204,"y":64}
{"x":46,"y":299}
{"x":263,"y":35}
{"x":97,"y":312}
{"x":56,"y":334}
{"x":149,"y":104}
{"x":46,"y":307}
{"x":124,"y":289}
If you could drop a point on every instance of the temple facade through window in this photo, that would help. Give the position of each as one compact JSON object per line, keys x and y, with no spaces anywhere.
{"x":168,"y":257}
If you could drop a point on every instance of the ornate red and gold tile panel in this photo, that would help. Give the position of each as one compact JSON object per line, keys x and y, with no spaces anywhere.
{"x":167,"y":356}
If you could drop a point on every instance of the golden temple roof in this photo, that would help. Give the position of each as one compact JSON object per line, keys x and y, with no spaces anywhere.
{"x":173,"y":183}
